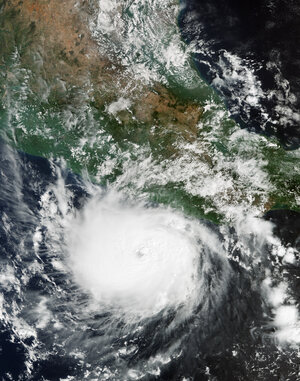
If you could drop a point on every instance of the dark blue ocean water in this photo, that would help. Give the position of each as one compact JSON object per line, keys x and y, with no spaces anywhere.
{"x":250,"y":47}
{"x":238,"y":325}
{"x":23,"y":179}
{"x":232,"y":342}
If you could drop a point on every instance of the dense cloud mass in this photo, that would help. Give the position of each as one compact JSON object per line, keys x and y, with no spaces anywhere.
{"x":149,"y":190}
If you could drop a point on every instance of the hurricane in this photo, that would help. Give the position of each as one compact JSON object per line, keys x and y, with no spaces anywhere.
{"x":144,"y":260}
{"x":149,"y":191}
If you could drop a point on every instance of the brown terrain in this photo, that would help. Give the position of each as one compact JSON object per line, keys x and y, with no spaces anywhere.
{"x":55,"y":43}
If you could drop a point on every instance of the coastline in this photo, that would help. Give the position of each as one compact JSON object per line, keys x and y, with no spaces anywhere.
{"x":79,"y":93}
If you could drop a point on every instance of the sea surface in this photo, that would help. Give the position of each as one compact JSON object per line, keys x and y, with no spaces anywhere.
{"x":249,"y":52}
{"x":133,"y":254}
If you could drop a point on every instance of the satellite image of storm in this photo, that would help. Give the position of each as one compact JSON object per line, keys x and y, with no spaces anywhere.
{"x":150,"y":190}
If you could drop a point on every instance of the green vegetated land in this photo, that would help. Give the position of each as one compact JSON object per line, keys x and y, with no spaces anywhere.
{"x":56,"y":102}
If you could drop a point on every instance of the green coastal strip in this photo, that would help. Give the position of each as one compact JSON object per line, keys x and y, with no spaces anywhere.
{"x":208,"y":167}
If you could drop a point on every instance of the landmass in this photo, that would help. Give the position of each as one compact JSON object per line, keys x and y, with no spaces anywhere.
{"x":54,"y":41}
